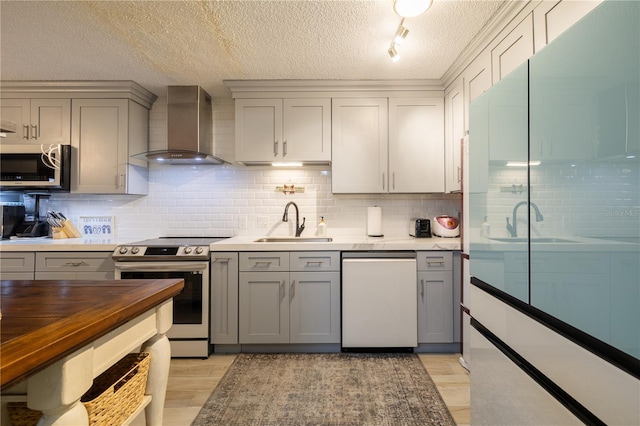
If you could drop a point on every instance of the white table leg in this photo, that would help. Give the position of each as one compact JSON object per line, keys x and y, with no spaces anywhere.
{"x":160,"y":349}
{"x":56,"y":390}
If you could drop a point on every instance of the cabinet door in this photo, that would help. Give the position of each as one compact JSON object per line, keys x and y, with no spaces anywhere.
{"x":264,"y":307}
{"x":51,"y":121}
{"x":454,"y":132}
{"x":552,"y":17}
{"x":16,"y":265}
{"x":258,"y":130}
{"x":416,"y":145}
{"x":224,"y":298}
{"x":74,"y":262}
{"x":359,"y":147}
{"x":307,"y":130}
{"x":99,"y":135}
{"x":513,"y":50}
{"x":508,"y":118}
{"x":477,"y":80}
{"x":314,"y":307}
{"x":19,"y":111}
{"x":435,"y":307}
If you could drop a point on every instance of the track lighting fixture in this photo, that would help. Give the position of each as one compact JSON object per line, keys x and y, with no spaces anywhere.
{"x":411,"y":8}
{"x":395,"y":57}
{"x":401,"y":34}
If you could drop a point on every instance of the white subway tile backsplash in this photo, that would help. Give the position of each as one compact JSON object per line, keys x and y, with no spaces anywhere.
{"x":207,"y":200}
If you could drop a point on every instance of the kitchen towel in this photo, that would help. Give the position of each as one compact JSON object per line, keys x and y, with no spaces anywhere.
{"x":374,"y":221}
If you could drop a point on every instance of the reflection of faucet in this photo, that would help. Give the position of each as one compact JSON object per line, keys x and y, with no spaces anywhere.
{"x":285,"y":218}
{"x":513,"y":229}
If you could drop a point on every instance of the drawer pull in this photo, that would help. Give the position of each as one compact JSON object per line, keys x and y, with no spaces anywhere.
{"x":434,"y":262}
{"x":75,"y":264}
{"x":260,"y":263}
{"x":314,"y":262}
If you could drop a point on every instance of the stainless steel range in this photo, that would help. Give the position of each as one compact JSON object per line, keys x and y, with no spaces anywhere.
{"x":173,"y":257}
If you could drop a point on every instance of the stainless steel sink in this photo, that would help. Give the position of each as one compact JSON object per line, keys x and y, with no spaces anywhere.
{"x":533,"y":240}
{"x":294,"y":240}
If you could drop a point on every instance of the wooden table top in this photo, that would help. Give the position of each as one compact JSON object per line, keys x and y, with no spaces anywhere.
{"x":45,"y":320}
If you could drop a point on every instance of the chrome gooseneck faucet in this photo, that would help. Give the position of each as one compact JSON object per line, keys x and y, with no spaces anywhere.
{"x":513,"y":229}
{"x":285,"y":218}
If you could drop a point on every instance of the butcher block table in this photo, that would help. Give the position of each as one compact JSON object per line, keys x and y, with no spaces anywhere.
{"x":60,"y":335}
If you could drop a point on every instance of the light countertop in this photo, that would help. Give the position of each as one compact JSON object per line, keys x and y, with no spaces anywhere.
{"x":242,"y":243}
{"x":341,"y":243}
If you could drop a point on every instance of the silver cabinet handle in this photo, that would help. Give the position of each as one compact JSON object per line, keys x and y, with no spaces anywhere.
{"x":393,"y":179}
{"x":422,"y":288}
{"x":34,"y":133}
{"x":284,"y":148}
{"x":25,"y":131}
{"x":275,"y":148}
{"x":266,"y":263}
{"x":282,"y":290}
{"x":121,"y":180}
{"x":292,"y":289}
{"x":76,"y":264}
{"x":459,"y":174}
{"x":435,"y":262}
{"x":317,"y":263}
{"x":221,"y":259}
{"x":383,"y":181}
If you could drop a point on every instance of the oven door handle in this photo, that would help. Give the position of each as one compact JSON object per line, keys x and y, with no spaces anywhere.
{"x":174,"y":267}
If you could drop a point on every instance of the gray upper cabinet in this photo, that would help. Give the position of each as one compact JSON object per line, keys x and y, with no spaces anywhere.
{"x":105,"y":133}
{"x":104,"y":121}
{"x":39,"y":121}
{"x":283,"y":130}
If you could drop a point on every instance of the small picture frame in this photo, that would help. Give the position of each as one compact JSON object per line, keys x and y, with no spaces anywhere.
{"x":97,"y":226}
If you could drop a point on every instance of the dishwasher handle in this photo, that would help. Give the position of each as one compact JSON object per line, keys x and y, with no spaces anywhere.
{"x":379,"y":255}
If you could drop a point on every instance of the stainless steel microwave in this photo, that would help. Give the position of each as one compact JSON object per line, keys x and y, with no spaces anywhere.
{"x":35,"y":167}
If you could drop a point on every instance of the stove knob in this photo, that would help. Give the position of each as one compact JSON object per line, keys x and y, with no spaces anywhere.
{"x":135,"y":250}
{"x":199,"y":250}
{"x":123,"y":250}
{"x":187,"y":250}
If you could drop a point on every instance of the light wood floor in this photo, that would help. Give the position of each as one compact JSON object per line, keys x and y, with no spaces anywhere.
{"x":191,"y":381}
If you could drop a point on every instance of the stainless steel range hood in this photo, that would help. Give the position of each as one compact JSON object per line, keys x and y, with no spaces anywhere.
{"x":189,"y":129}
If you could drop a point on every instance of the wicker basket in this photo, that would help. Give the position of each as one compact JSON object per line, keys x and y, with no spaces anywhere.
{"x":114,"y":396}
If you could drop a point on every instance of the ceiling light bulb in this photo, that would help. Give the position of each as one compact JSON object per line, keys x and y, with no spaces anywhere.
{"x":411,"y":8}
{"x":395,"y":57}
{"x":401,"y":34}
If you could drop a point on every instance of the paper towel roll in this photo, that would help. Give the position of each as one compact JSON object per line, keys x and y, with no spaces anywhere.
{"x":374,"y":221}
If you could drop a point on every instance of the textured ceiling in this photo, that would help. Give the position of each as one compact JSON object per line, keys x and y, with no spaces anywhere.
{"x":160,"y":43}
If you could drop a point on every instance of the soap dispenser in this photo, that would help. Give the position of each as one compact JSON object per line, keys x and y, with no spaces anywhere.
{"x":322,"y":228}
{"x":485,"y":228}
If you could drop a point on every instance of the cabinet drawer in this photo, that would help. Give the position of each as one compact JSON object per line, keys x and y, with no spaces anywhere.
{"x":16,"y":262}
{"x":74,"y":262}
{"x":315,"y":261}
{"x":435,"y":261}
{"x":264,"y":261}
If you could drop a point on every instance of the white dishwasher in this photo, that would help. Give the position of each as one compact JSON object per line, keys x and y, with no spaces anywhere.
{"x":379,"y":300}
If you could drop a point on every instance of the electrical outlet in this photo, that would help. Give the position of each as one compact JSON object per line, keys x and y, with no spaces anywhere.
{"x":263,"y":222}
{"x":242,"y":222}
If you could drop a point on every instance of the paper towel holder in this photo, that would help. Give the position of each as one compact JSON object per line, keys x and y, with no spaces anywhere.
{"x":374,"y":222}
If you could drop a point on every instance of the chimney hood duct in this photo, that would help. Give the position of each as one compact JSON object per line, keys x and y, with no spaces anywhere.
{"x":189,"y":129}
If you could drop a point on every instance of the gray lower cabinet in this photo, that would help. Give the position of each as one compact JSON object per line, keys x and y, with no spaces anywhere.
{"x":17,"y":265}
{"x":435,"y":297}
{"x":224,"y":298}
{"x":289,"y":297}
{"x":74,"y":266}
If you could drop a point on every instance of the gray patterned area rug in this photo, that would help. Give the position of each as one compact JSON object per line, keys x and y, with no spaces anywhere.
{"x":325,"y":389}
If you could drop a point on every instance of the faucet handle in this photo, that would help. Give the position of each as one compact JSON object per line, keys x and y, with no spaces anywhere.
{"x":301,"y":228}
